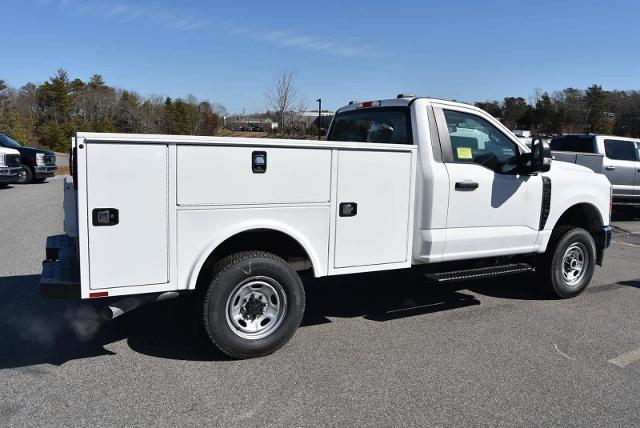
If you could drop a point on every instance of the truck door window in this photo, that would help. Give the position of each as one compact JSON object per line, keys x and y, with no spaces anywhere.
{"x":475,"y":140}
{"x":388,"y":125}
{"x":573,"y":143}
{"x":620,"y":150}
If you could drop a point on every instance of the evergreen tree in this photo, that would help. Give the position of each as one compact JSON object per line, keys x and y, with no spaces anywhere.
{"x":598,"y":121}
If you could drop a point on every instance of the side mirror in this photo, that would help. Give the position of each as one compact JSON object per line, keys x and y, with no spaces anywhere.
{"x":540,"y":155}
{"x":538,"y":160}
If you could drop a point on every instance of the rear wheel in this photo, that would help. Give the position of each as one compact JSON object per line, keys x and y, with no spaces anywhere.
{"x":569,"y":263}
{"x":25,"y":176}
{"x":253,"y":304}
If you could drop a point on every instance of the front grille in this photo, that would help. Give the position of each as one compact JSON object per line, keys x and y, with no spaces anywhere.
{"x":49,"y":159}
{"x":12,"y":160}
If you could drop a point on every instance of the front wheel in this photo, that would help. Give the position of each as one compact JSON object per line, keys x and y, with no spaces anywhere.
{"x":569,"y":262}
{"x":25,"y":176}
{"x":253,"y":304}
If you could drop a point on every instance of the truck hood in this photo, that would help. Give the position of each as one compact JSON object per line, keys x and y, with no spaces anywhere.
{"x":28,"y":151}
{"x":569,"y":167}
{"x":8,"y":151}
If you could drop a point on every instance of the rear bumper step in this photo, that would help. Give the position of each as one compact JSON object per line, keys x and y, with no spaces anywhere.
{"x":60,"y":271}
{"x":478,"y":273}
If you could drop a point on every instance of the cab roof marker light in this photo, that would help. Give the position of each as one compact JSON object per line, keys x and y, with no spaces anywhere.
{"x":368,"y":104}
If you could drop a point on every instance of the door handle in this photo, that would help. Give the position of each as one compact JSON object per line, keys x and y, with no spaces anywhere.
{"x":609,"y":168}
{"x":105,"y":217}
{"x":466,"y":185}
{"x":348,"y":209}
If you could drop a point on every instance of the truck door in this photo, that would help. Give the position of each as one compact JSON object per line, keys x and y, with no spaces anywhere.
{"x":621,"y":166}
{"x":492,"y":210}
{"x":374,"y":206}
{"x":127,"y":209}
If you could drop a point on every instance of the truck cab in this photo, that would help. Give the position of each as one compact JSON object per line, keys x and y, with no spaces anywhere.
{"x":37,"y":164}
{"x":9,"y":166}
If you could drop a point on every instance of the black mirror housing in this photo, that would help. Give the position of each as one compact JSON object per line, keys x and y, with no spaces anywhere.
{"x":540,"y":155}
{"x":538,"y":160}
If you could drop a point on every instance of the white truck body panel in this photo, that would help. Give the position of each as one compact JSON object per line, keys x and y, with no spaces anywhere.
{"x":196,"y":192}
{"x":135,"y":251}
{"x":381,"y":184}
{"x":198,"y":165}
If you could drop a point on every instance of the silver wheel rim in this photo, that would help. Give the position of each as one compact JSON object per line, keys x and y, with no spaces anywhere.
{"x":256,"y":307}
{"x":575,"y":264}
{"x":22,"y":175}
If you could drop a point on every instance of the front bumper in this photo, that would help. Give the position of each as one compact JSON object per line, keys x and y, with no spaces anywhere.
{"x":9,"y":174}
{"x":45,"y":171}
{"x":61,"y":270}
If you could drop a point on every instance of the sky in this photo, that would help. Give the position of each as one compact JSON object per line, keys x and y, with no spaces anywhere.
{"x":229,"y":52}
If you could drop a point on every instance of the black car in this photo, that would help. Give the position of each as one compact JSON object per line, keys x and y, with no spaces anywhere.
{"x":37,"y":164}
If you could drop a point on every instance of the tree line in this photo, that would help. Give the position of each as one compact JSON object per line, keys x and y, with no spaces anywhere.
{"x":49,"y":114}
{"x":571,"y":110}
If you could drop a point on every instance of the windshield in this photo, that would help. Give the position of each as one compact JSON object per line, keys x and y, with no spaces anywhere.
{"x":8,"y":142}
{"x":387,"y":125}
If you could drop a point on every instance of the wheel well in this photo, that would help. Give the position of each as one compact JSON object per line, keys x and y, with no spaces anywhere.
{"x":272,"y":241}
{"x":587,"y":217}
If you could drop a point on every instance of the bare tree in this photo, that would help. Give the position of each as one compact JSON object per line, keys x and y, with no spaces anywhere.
{"x":283,"y":96}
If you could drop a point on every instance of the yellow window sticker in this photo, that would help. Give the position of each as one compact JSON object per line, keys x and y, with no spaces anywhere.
{"x":464,"y":153}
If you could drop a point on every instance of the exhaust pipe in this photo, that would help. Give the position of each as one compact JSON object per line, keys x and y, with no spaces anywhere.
{"x":127,"y":304}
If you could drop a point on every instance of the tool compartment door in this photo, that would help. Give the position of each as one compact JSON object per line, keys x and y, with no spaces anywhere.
{"x":374,"y":209}
{"x":127,"y":214}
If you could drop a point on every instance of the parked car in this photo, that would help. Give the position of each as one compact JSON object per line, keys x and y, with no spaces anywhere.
{"x":37,"y":164}
{"x":399,"y":183}
{"x":616,"y":157}
{"x":9,"y":166}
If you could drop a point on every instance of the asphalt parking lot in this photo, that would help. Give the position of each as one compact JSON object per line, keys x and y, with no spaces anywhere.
{"x":374,"y":349}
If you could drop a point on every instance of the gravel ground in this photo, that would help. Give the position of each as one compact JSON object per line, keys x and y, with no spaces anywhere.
{"x":374,"y":349}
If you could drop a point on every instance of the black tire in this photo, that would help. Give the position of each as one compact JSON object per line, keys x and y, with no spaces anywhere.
{"x":232,"y":275}
{"x":25,"y":176}
{"x":3,"y":185}
{"x":557,"y":267}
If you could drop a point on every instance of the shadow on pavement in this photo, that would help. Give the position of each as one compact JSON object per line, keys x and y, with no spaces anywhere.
{"x":37,"y":331}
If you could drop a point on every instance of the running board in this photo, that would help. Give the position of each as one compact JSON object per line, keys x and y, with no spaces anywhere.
{"x":479,"y":273}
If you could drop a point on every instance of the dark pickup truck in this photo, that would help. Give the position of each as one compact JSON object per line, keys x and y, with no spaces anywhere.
{"x":37,"y":164}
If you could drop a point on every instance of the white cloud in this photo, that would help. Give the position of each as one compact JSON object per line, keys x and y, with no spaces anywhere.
{"x":127,"y":12}
{"x":170,"y":20}
{"x":287,"y":39}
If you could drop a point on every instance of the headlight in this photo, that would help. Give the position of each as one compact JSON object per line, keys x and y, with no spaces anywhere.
{"x":40,"y":159}
{"x":2,"y":161}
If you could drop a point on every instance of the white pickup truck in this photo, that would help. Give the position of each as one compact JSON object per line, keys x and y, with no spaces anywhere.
{"x":400,"y":182}
{"x":10,"y":166}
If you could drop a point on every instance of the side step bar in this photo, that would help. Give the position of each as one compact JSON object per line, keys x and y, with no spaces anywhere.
{"x":479,"y":273}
